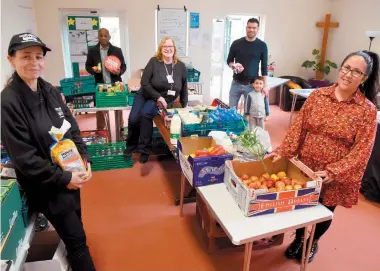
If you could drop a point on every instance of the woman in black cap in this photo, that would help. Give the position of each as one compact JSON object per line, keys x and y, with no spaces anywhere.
{"x":30,"y":106}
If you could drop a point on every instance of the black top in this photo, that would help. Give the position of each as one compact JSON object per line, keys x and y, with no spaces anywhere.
{"x":154,"y":83}
{"x":93,"y":58}
{"x":26,"y":118}
{"x":249,"y":54}
{"x":370,"y":186}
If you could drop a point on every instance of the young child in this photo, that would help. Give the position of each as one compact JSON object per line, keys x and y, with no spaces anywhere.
{"x":255,"y":106}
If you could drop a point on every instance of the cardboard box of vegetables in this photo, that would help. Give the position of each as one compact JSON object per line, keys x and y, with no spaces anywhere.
{"x":202,"y":160}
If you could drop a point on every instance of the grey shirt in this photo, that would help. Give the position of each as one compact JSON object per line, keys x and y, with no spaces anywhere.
{"x":254,"y":105}
{"x":106,"y":74}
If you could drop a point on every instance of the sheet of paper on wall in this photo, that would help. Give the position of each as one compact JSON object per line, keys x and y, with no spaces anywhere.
{"x":78,"y":59}
{"x":78,"y":49}
{"x":83,"y":23}
{"x":77,"y":36}
{"x":92,"y":37}
{"x":195,"y":36}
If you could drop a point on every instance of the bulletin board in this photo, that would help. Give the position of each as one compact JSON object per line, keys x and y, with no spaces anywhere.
{"x":175,"y":24}
{"x":83,"y":35}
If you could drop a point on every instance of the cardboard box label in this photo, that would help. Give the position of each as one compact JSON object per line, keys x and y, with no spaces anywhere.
{"x":186,"y":167}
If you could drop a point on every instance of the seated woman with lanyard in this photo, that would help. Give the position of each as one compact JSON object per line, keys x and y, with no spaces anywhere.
{"x":164,"y":80}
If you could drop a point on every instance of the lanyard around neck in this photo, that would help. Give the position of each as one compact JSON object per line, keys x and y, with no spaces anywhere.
{"x":167,"y":70}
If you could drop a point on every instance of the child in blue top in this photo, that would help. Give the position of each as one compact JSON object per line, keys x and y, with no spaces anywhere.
{"x":255,"y":106}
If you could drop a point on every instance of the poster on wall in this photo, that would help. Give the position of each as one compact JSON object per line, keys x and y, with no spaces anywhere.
{"x":83,"y":35}
{"x":194,"y":32}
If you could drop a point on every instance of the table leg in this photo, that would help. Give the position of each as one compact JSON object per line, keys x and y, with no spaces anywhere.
{"x":189,"y":196}
{"x":117,"y":125}
{"x":294,"y":101}
{"x":247,"y":256}
{"x":305,"y":258}
{"x":107,"y":120}
{"x":303,"y":248}
{"x":182,"y":194}
{"x":281,"y":90}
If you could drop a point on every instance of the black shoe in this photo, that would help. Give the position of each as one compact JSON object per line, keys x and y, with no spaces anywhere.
{"x":313,"y":251}
{"x":295,"y":249}
{"x":144,"y":158}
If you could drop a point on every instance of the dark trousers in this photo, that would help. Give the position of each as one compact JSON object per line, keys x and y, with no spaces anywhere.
{"x":140,"y":125}
{"x":320,"y":229}
{"x":70,"y":229}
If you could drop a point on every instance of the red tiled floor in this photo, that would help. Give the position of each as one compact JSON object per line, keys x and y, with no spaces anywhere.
{"x":132,"y":224}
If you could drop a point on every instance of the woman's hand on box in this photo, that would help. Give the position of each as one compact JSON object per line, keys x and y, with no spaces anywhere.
{"x":324,"y":175}
{"x":274,"y":156}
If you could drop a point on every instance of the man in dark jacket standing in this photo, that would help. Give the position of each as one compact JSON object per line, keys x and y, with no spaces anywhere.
{"x":96,"y":56}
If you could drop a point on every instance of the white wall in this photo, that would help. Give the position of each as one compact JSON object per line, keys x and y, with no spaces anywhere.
{"x":290,"y":29}
{"x":354,"y":17}
{"x":17,"y":16}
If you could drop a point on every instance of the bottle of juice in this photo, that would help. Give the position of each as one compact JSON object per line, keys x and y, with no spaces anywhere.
{"x":175,"y":129}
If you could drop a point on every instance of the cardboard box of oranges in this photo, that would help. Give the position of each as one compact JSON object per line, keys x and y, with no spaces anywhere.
{"x":287,"y":185}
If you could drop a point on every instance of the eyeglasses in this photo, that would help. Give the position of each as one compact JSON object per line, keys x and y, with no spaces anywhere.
{"x":355,"y":73}
{"x":167,"y":46}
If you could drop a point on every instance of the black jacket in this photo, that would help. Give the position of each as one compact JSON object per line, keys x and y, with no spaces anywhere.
{"x":154,"y":83}
{"x":93,"y":58}
{"x":26,"y":118}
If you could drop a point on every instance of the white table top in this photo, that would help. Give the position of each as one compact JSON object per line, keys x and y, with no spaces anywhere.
{"x":275,"y":81}
{"x":242,"y":229}
{"x":302,"y":92}
{"x":23,"y":252}
{"x":96,"y":109}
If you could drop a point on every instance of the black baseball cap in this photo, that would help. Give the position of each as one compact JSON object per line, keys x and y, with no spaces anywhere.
{"x":25,"y":40}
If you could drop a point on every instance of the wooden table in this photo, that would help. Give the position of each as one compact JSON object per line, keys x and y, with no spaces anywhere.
{"x":245,"y":230}
{"x":187,"y":194}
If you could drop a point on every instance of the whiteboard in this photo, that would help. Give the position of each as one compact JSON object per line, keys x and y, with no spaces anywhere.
{"x":173,"y":23}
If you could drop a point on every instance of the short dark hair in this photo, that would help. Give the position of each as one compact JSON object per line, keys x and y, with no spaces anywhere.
{"x":253,"y":20}
{"x":260,"y":78}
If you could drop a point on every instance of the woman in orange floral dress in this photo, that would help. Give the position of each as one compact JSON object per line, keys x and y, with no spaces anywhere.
{"x":333,"y":134}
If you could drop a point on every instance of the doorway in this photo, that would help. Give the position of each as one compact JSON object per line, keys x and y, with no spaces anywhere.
{"x":226,"y":31}
{"x":114,"y":21}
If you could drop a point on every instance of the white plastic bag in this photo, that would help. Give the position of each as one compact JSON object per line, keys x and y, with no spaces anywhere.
{"x":264,"y":138}
{"x":243,"y":154}
{"x":221,"y":138}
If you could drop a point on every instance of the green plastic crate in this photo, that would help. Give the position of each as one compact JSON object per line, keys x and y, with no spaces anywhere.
{"x":108,"y":156}
{"x":84,"y":101}
{"x":193,"y":75}
{"x":111,"y":99}
{"x":111,"y":84}
{"x":78,"y":85}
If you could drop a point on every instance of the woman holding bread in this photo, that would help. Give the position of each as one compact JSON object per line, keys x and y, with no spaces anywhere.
{"x":30,"y":107}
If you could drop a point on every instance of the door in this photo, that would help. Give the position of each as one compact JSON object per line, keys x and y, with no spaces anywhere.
{"x":225,"y":31}
{"x":217,"y":58}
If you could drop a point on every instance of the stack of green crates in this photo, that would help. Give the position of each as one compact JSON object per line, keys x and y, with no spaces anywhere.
{"x":193,"y":75}
{"x":78,"y":85}
{"x":108,"y":156}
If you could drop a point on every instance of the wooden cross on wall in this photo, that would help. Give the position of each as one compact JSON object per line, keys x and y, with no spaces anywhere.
{"x":326,"y":25}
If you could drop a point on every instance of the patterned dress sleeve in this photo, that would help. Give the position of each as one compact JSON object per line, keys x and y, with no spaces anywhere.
{"x":296,"y":135}
{"x":351,"y":168}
